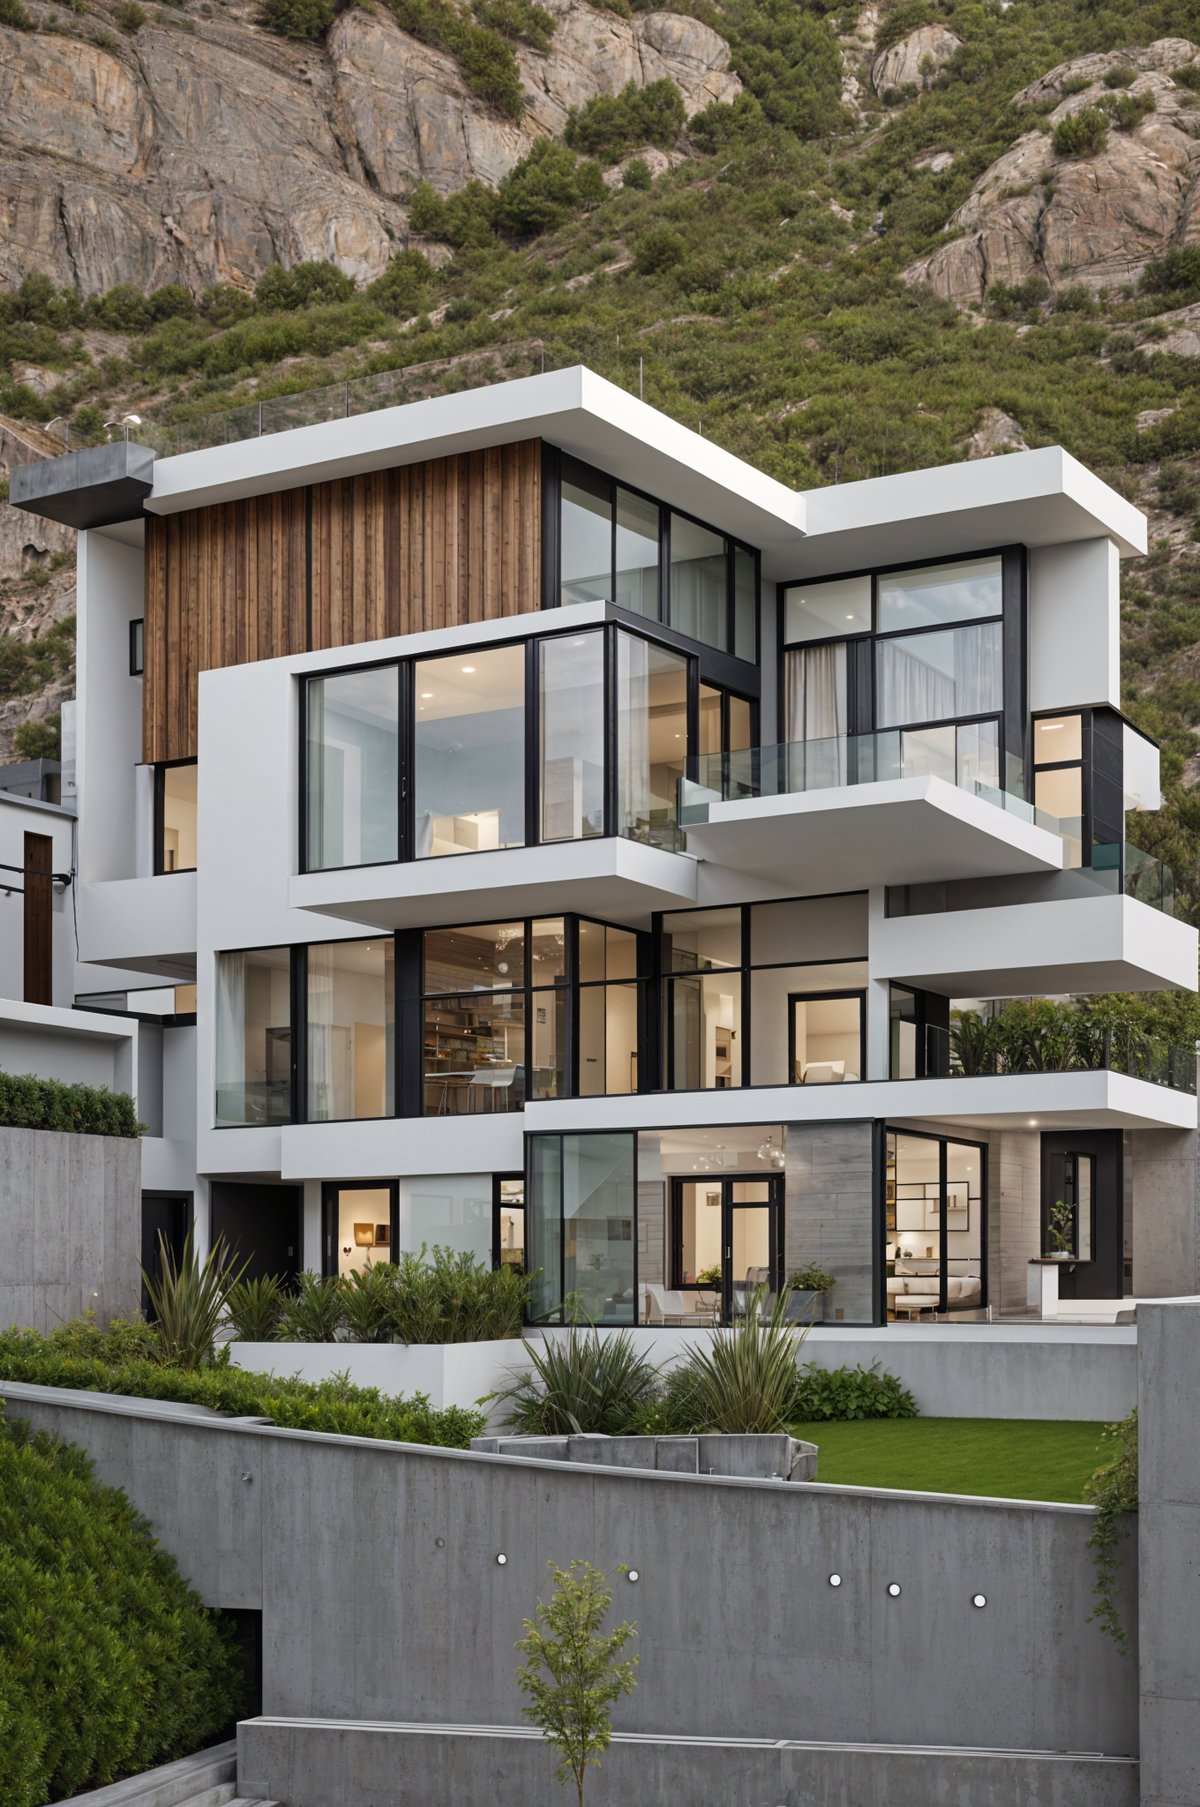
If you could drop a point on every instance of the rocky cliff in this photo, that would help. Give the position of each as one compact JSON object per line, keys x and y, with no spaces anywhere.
{"x":202,"y":156}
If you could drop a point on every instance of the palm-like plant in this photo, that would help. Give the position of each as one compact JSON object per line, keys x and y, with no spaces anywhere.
{"x":368,"y":1300}
{"x":253,"y":1308}
{"x":744,"y":1380}
{"x":313,"y":1313}
{"x":188,"y":1299}
{"x":581,"y":1382}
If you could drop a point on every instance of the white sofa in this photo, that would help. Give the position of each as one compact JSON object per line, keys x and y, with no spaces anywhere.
{"x":911,"y":1292}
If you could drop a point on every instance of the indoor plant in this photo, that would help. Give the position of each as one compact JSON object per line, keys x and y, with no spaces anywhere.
{"x":807,"y":1287}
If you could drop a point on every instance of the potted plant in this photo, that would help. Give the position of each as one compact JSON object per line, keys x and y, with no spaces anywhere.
{"x":808,"y":1286}
{"x":710,"y":1276}
{"x":1060,"y":1232}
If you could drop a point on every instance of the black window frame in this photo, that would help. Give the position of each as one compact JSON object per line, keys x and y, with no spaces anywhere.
{"x":137,"y":647}
{"x":812,"y":997}
{"x":943,"y":1138}
{"x":498,"y":1181}
{"x":296,"y":997}
{"x":560,"y":1136}
{"x":775,"y":1205}
{"x":329,"y":1192}
{"x":553,"y":461}
{"x":161,"y":768}
{"x":1070,"y":1160}
{"x":1012,"y":718}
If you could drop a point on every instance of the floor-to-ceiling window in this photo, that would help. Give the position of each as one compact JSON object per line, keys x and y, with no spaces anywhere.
{"x":469,"y":751}
{"x":571,"y":736}
{"x":607,"y":1010}
{"x":494,"y":1003}
{"x":935,"y":1228}
{"x":352,"y":769}
{"x":254,"y":1037}
{"x":581,"y":1216}
{"x":350,"y":1050}
{"x":652,"y":738}
{"x":175,"y":817}
{"x":357,"y":1226}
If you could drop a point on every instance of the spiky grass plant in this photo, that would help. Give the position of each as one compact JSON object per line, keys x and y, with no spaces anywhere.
{"x":188,"y":1299}
{"x":744,"y":1380}
{"x":581,"y":1382}
{"x":313,"y":1312}
{"x":253,"y":1307}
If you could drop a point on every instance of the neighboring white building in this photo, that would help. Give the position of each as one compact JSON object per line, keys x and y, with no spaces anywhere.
{"x":578,"y":841}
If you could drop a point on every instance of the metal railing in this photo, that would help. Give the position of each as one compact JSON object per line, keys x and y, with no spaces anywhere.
{"x":987,"y":1049}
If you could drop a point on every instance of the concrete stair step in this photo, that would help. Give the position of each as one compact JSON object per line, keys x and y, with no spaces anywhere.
{"x":189,"y":1780}
{"x":219,"y":1795}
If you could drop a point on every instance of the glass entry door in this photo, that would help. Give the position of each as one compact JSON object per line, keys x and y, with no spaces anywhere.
{"x":751,"y":1253}
{"x":359,"y":1226}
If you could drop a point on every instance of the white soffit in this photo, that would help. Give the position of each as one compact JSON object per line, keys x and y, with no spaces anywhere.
{"x":1037,"y":498}
{"x":573,"y":409}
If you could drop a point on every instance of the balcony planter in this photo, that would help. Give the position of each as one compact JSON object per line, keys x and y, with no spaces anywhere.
{"x":806,"y":1300}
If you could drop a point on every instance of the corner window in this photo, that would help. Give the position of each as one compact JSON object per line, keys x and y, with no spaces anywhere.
{"x":652,"y":739}
{"x":494,"y":1014}
{"x":175,"y":818}
{"x":571,"y":736}
{"x":1058,"y":787}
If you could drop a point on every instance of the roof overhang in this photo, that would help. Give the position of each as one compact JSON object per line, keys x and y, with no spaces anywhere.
{"x":573,"y":409}
{"x":94,"y":488}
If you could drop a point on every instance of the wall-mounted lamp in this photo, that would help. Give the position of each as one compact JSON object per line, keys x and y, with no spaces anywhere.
{"x":364,"y":1235}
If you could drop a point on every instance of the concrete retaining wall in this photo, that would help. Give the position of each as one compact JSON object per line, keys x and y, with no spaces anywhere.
{"x":770,"y":1457}
{"x":448,"y":1373}
{"x":375,"y":1568}
{"x":341,"y":1764}
{"x":70,"y":1226}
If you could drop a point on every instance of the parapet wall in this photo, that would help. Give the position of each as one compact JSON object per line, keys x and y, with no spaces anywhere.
{"x":70,"y":1226}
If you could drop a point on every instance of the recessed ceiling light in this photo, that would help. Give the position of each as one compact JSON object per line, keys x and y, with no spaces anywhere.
{"x":1049,"y":727}
{"x":467,"y":670}
{"x":427,"y":696}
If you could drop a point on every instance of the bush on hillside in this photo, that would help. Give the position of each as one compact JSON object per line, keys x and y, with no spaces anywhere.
{"x":548,"y":186}
{"x":119,"y":1360}
{"x":404,"y":286}
{"x":27,"y":1102}
{"x":611,"y":124}
{"x":657,"y":250}
{"x":309,"y":284}
{"x":39,"y":740}
{"x":304,"y":19}
{"x":522,"y":19}
{"x":111,"y":1662}
{"x":1082,"y":134}
{"x":13,"y":14}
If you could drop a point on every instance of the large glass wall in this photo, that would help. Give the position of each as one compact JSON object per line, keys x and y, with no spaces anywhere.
{"x":580,"y":1226}
{"x":469,"y":752}
{"x":350,"y":1030}
{"x":934,"y":1225}
{"x":701,"y":960}
{"x":254,"y":1037}
{"x":571,"y":736}
{"x":652,"y":739}
{"x":612,"y":549}
{"x":607,"y":1011}
{"x":353,"y":768}
{"x":446,"y":1210}
{"x":494,"y":1010}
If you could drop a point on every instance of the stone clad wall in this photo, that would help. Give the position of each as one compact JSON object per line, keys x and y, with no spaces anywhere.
{"x":70,"y":1226}
{"x":829,"y":1212}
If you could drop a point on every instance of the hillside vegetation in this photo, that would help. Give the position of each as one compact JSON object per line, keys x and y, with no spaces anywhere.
{"x":748,"y":268}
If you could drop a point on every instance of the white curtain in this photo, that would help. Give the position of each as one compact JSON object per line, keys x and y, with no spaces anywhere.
{"x":231,"y":1038}
{"x":633,"y":736}
{"x":322,"y":1105}
{"x":938,"y":676}
{"x":815,"y":705}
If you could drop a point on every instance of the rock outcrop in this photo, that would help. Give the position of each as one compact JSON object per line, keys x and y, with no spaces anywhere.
{"x":204,"y":156}
{"x":996,"y":433}
{"x":1094,"y":220}
{"x":915,"y":60}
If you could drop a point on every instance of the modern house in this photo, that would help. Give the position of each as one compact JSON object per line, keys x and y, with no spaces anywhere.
{"x":583,"y":847}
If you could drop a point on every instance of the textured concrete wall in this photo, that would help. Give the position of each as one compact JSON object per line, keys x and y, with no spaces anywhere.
{"x":382,"y":1598}
{"x":70,"y":1226}
{"x":829,"y":1214}
{"x":1167,"y":1541}
{"x":1014,"y":1215}
{"x":1166,"y":1231}
{"x":337,"y":1764}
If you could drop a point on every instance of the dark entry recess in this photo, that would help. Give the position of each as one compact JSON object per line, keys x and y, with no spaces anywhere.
{"x":1084,"y":1169}
{"x":261,"y":1225}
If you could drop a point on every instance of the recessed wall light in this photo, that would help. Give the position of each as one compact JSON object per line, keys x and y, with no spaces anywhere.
{"x":894,"y":1589}
{"x":835,"y":1581}
{"x":979,"y":1600}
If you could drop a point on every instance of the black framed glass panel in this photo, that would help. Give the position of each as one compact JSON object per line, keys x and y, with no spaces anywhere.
{"x":938,"y":676}
{"x":652,"y":738}
{"x":469,"y":752}
{"x":175,"y":813}
{"x":585,"y":532}
{"x":254,"y":1037}
{"x":964,"y":590}
{"x":350,"y":1030}
{"x":352,"y":771}
{"x":571,"y":736}
{"x":581,"y":1226}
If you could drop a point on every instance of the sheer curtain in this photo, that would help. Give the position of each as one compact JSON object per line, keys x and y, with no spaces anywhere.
{"x":815,"y":703}
{"x":633,"y":736}
{"x":322,"y":1105}
{"x":231,"y":1038}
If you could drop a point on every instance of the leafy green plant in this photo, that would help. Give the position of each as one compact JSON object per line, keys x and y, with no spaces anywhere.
{"x":1082,"y":134}
{"x":1113,"y":1491}
{"x":518,"y":19}
{"x":129,"y":15}
{"x":636,"y":174}
{"x":1127,"y":111}
{"x":253,"y":1308}
{"x":812,"y":1279}
{"x":573,"y":1671}
{"x":580,"y":1382}
{"x":39,"y":740}
{"x":111,"y":1662}
{"x":849,"y":1394}
{"x":13,"y":14}
{"x":81,"y":1355}
{"x":744,"y":1379}
{"x":313,"y":1312}
{"x":27,"y":1102}
{"x":302,"y":19}
{"x":187,"y":1299}
{"x":611,"y":124}
{"x":303,"y":285}
{"x":1060,"y":1227}
{"x":368,"y":1300}
{"x":658,"y":249}
{"x":1121,"y":75}
{"x":710,"y":1276}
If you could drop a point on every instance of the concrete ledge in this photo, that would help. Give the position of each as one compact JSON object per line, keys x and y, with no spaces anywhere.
{"x":344,"y":1763}
{"x":92,"y":488}
{"x":764,"y":1458}
{"x":170,"y":1783}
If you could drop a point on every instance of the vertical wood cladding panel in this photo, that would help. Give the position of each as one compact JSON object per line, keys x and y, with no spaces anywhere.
{"x":338,"y":564}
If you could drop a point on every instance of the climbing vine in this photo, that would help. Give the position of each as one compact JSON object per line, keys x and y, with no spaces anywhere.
{"x":1113,"y":1491}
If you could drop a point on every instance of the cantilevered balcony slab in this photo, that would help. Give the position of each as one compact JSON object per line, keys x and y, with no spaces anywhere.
{"x":479,"y":1142}
{"x":146,"y":925}
{"x":1083,"y":1100}
{"x":619,"y":880}
{"x":897,"y":831}
{"x":96,"y":487}
{"x":1079,"y":944}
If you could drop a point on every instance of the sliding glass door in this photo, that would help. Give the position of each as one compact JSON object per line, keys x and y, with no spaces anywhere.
{"x":935,"y":1218}
{"x":727,"y":1239}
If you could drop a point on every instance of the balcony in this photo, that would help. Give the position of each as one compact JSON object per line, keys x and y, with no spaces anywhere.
{"x":860,"y":810}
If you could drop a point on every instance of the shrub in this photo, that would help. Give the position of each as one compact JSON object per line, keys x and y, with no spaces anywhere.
{"x":187,"y":1300}
{"x":367,"y":1301}
{"x":518,"y":19}
{"x":812,"y":1279}
{"x":1128,"y":110}
{"x":546,"y":187}
{"x":304,"y":285}
{"x":80,"y":1355}
{"x":404,"y":285}
{"x":1121,"y":75}
{"x":573,"y":1672}
{"x":636,"y":174}
{"x":27,"y":1102}
{"x":112,"y":1664}
{"x":313,"y":1313}
{"x":849,"y":1393}
{"x":252,"y":1309}
{"x":129,"y":15}
{"x":449,"y":1296}
{"x":658,"y":249}
{"x":297,"y":18}
{"x":13,"y":14}
{"x":581,"y":1382}
{"x":611,"y":124}
{"x":744,"y":1380}
{"x":1082,"y":134}
{"x":39,"y":740}
{"x":488,"y":65}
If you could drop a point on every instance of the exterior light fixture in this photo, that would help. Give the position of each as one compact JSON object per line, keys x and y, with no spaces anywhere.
{"x":979,"y":1600}
{"x":468,"y":671}
{"x":632,"y":1575}
{"x":835,"y":1581}
{"x":501,"y":1560}
{"x":894,"y":1589}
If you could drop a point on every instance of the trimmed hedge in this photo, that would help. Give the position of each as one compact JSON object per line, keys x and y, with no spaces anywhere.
{"x":111,"y":1662}
{"x":120,"y":1360}
{"x":27,"y":1102}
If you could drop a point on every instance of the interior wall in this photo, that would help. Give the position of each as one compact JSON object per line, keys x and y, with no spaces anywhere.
{"x":829,"y":1212}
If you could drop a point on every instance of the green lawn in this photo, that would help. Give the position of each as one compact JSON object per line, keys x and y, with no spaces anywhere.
{"x":1013,"y":1458}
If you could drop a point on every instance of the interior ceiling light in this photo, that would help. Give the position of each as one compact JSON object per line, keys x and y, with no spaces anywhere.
{"x":468,"y":671}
